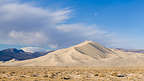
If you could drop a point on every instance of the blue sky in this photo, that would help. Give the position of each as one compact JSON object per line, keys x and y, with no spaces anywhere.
{"x":116,"y":23}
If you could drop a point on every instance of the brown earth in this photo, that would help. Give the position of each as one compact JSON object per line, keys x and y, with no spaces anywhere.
{"x":71,"y":74}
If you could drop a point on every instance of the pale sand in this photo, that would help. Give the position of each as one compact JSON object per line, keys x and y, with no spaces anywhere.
{"x":87,"y":53}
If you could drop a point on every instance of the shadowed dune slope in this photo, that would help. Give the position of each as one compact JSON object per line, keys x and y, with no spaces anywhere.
{"x":93,"y":49}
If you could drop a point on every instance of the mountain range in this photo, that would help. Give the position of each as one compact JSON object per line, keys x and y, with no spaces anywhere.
{"x":132,"y":50}
{"x":19,"y":54}
{"x":87,"y":53}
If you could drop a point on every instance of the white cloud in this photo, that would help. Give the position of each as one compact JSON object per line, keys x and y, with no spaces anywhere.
{"x":81,"y":32}
{"x":25,"y":24}
{"x":27,"y":38}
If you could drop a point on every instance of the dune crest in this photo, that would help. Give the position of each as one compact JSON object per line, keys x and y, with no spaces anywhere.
{"x":93,"y":49}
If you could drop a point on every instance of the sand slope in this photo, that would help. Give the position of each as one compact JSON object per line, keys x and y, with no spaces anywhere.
{"x":87,"y":53}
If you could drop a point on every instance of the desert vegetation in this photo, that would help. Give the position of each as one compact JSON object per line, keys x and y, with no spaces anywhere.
{"x":70,"y":74}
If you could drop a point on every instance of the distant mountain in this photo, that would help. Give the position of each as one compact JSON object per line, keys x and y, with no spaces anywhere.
{"x":132,"y":50}
{"x":18,"y":54}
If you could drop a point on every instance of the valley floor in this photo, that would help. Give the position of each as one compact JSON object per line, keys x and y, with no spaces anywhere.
{"x":71,"y":74}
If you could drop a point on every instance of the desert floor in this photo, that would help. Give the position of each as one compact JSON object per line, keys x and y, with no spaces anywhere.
{"x":71,"y":74}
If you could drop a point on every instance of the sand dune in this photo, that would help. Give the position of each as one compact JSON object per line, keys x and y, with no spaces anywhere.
{"x":87,"y":53}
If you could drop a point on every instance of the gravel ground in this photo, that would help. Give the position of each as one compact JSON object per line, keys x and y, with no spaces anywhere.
{"x":71,"y":74}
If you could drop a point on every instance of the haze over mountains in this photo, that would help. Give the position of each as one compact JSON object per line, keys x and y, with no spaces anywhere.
{"x":87,"y":53}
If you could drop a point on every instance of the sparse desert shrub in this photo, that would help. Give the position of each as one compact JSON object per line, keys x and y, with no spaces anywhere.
{"x":114,"y":74}
{"x":121,"y":75}
{"x":24,"y":76}
{"x":45,"y":76}
{"x":34,"y":75}
{"x":96,"y":75}
{"x":3,"y":72}
{"x":102,"y":75}
{"x":66,"y":78}
{"x":12,"y":73}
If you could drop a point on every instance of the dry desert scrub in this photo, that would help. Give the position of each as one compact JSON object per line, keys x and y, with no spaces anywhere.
{"x":71,"y":74}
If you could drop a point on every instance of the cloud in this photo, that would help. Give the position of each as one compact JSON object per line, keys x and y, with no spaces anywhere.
{"x":25,"y":24}
{"x":81,"y":32}
{"x":7,"y":1}
{"x":28,"y":38}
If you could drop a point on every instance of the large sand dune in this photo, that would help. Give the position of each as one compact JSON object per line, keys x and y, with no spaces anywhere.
{"x":87,"y":53}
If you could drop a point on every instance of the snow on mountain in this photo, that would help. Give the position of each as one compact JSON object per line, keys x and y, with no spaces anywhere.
{"x":33,"y":49}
